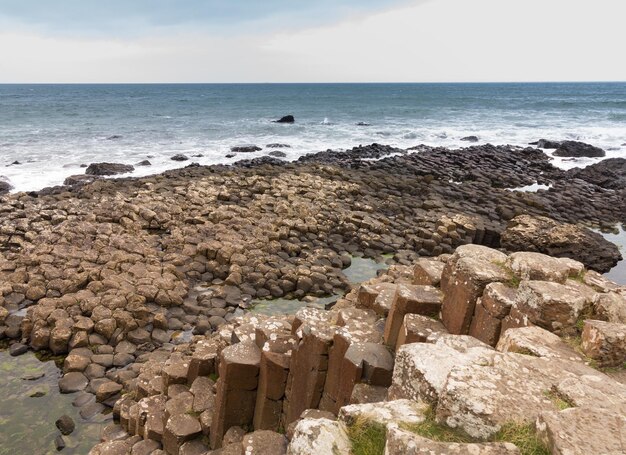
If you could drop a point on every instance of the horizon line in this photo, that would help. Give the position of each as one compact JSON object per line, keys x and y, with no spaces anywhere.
{"x":322,"y":83}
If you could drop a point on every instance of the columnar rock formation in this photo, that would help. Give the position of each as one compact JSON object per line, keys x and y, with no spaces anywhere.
{"x":143,"y":284}
{"x":356,"y":363}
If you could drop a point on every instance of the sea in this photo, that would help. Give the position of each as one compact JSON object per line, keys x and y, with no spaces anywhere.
{"x":47,"y":132}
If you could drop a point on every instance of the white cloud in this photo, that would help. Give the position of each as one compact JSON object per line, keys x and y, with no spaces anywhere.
{"x":438,"y":40}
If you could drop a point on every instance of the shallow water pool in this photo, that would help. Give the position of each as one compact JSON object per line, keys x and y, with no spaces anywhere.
{"x":30,"y":403}
{"x":618,"y":273}
{"x":361,"y":269}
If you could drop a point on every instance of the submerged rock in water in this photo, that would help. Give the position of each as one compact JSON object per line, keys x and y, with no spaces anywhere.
{"x":245,"y":149}
{"x":144,"y":163}
{"x":18,"y":349}
{"x":108,"y":169}
{"x":544,"y":235}
{"x":286,"y":119}
{"x":470,"y":138}
{"x":65,"y":424}
{"x":277,"y":146}
{"x":179,"y":157}
{"x":577,"y":149}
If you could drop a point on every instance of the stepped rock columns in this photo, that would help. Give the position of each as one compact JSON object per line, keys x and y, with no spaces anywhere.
{"x":236,"y":389}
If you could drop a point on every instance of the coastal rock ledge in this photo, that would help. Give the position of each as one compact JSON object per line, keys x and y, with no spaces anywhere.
{"x":145,"y":289}
{"x":478,"y":345}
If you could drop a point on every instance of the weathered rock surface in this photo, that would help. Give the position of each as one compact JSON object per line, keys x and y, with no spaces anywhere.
{"x":605,"y":342}
{"x":543,"y":235}
{"x":318,"y":436}
{"x":580,"y":431}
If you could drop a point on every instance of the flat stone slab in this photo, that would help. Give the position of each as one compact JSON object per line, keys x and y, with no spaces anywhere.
{"x":583,"y":431}
{"x":402,"y":442}
{"x":538,"y":342}
{"x":386,"y":413}
{"x":319,"y":436}
{"x":421,"y":369}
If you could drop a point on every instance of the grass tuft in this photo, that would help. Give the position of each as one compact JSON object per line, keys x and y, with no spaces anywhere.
{"x":432,"y":429}
{"x":559,"y":401}
{"x":367,"y":438}
{"x":523,"y":436}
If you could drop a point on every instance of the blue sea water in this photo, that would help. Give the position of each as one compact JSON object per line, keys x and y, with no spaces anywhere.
{"x":53,"y":129}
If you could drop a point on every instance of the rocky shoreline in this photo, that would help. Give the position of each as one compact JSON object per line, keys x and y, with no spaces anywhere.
{"x":124,"y":276}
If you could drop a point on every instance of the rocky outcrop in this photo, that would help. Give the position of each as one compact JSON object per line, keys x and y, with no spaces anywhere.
{"x":609,"y":173}
{"x":286,"y":119}
{"x":541,"y":234}
{"x":108,"y":169}
{"x":577,"y":149}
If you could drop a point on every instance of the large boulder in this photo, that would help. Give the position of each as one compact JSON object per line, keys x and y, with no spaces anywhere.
{"x":108,"y":169}
{"x":577,"y":149}
{"x":544,"y":235}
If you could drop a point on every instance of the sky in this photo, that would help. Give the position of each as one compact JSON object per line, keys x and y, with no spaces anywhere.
{"x":86,"y":41}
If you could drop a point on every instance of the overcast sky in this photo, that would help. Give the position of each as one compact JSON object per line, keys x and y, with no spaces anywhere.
{"x":311,"y":41}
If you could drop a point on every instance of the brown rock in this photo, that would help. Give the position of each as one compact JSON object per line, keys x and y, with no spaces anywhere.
{"x":178,"y":430}
{"x":419,"y":329}
{"x":424,"y":300}
{"x":236,"y":389}
{"x":605,"y":342}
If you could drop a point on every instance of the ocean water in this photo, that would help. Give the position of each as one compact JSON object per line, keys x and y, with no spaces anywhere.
{"x":53,"y":129}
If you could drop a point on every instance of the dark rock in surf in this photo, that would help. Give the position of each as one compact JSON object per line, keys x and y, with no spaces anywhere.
{"x":80,"y":179}
{"x":577,"y":149}
{"x":470,"y":138}
{"x":286,"y":119}
{"x":277,"y":154}
{"x":363,"y":124}
{"x":546,"y":144}
{"x":114,"y":137}
{"x":179,"y":157}
{"x":245,"y":149}
{"x":5,"y":186}
{"x":230,"y":155}
{"x":108,"y":169}
{"x":277,"y":146}
{"x":144,"y":163}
